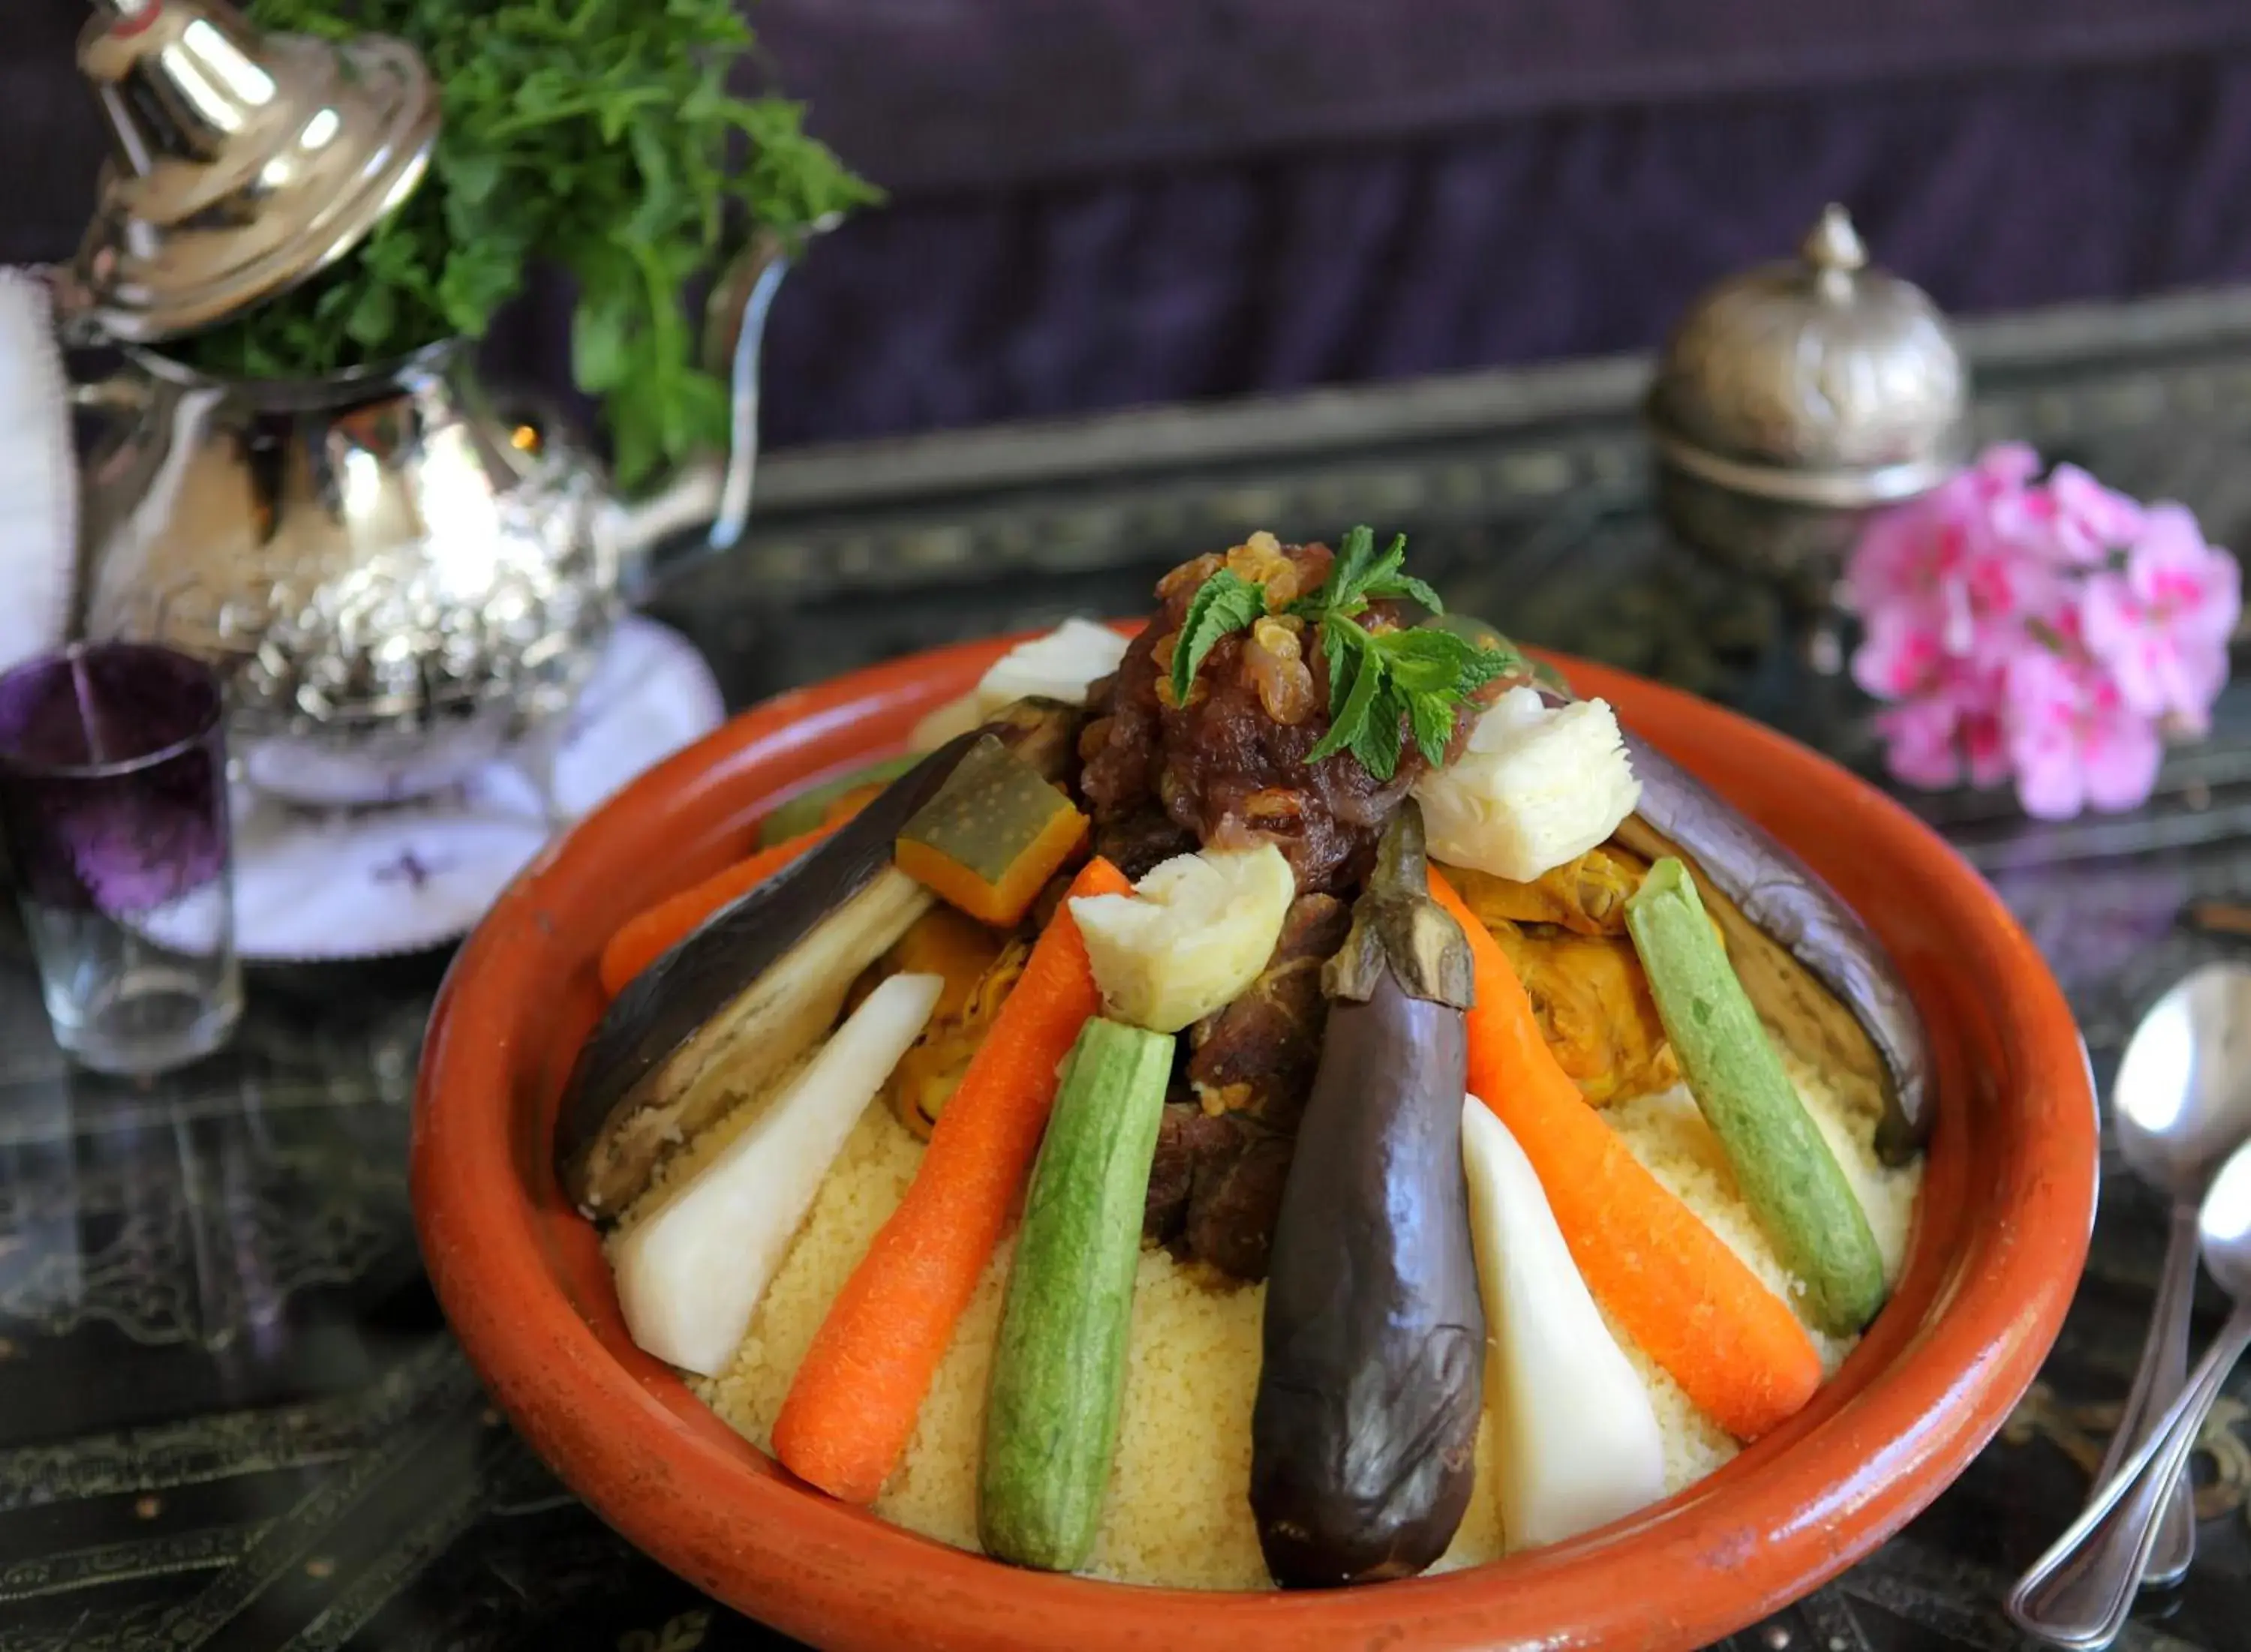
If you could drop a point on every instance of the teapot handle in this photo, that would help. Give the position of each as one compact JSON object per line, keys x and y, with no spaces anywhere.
{"x":650,"y":536}
{"x":734,"y":325}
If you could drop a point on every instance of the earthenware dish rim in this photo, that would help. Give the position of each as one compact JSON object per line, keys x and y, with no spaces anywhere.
{"x":1999,"y":1242}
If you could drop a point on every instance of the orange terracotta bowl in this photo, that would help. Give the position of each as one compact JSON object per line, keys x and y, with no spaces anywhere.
{"x":1998,"y":1243}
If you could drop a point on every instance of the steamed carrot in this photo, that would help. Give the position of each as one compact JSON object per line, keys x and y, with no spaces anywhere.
{"x":1732,"y":1345}
{"x":853,"y":1404}
{"x":656,"y":930}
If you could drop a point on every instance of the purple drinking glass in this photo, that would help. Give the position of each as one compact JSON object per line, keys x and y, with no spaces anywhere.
{"x":112,"y":801}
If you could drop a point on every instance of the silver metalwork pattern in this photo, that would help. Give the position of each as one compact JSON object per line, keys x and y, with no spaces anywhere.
{"x":393,"y":582}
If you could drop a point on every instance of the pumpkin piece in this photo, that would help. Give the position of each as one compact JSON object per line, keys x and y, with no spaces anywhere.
{"x":992,"y":837}
{"x":1564,"y":933}
{"x":949,"y":945}
{"x":942,"y":942}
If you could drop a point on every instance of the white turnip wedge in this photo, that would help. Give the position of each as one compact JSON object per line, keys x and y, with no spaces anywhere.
{"x":1062,"y":665}
{"x":690,"y":1276}
{"x":1575,"y":1439}
{"x":1536,"y":785}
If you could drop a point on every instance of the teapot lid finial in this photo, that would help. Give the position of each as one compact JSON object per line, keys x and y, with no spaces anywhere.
{"x":242,"y":161}
{"x":1833,"y":244}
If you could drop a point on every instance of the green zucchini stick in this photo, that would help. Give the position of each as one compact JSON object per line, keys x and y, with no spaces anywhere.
{"x":1059,"y":1363}
{"x":1789,"y":1177}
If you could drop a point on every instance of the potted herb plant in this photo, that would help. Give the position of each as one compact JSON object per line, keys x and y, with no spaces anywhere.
{"x":597,"y":136}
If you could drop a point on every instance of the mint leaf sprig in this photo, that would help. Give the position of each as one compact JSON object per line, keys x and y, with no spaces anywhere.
{"x":1416,"y":678}
{"x":1359,"y":577}
{"x":1379,"y":681}
{"x":1225,"y":602}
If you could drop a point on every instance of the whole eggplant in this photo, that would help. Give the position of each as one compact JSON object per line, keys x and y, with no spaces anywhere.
{"x":1787,"y":901}
{"x":1364,"y":1430}
{"x":729,"y":1008}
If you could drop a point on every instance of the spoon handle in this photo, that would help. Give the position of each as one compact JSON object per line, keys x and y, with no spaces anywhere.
{"x":2078,"y":1593}
{"x":2162,"y":1375}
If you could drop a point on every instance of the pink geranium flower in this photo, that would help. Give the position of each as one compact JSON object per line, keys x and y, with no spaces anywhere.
{"x":2072,"y":740}
{"x":1923,"y":742}
{"x":2072,"y":522}
{"x":1903,"y":655}
{"x":2048,"y":629}
{"x":1909,"y":558}
{"x":1935,"y":740}
{"x":2161,"y":622}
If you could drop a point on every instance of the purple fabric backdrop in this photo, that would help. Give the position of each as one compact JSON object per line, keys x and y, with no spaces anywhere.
{"x":1122,"y":201}
{"x":942,"y":94}
{"x":1538,"y":236}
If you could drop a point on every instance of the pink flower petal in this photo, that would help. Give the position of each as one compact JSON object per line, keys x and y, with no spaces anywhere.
{"x":2040,"y":686}
{"x":2191,"y":587}
{"x":2075,"y":741}
{"x":1919,"y":743}
{"x":2004,"y":466}
{"x":2161,"y":627}
{"x":2120,"y":755}
{"x":2049,"y":786}
{"x":1899,"y":656}
{"x":1986,"y":749}
{"x":2203,"y":673}
{"x":2097,"y":517}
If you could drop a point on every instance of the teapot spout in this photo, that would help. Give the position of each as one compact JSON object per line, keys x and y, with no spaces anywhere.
{"x":650,"y":538}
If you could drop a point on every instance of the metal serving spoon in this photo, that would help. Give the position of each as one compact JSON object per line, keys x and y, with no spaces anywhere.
{"x":2079,"y":1592}
{"x":2182,"y":1103}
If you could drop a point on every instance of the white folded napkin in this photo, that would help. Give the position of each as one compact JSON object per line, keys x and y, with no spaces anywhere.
{"x":311,"y":885}
{"x":39,"y":474}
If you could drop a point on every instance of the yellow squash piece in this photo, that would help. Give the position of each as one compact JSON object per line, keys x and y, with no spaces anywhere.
{"x":1564,"y":932}
{"x":1593,"y":1004}
{"x":992,"y":837}
{"x":1586,"y":896}
{"x":951,"y":945}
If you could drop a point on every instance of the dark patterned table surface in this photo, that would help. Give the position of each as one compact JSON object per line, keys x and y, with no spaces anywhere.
{"x":230,"y":1415}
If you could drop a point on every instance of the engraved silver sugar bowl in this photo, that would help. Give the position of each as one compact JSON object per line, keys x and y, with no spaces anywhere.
{"x":397,"y":576}
{"x":1793,"y":400}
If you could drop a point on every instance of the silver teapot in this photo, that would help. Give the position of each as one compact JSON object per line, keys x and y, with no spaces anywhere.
{"x":397,"y":574}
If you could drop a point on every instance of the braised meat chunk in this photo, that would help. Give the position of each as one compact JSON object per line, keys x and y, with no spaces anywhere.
{"x":1223,"y":1152}
{"x":1186,"y":1138}
{"x":1139,"y":839}
{"x":1228,"y":766}
{"x":1256,"y":1056}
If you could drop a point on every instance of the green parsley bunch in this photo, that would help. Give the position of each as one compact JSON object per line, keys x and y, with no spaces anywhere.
{"x":596,"y":135}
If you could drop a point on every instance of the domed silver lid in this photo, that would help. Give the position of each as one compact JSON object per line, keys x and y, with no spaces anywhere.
{"x":1816,"y":381}
{"x":242,"y":163}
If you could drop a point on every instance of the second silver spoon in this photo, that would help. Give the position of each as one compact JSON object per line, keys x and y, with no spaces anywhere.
{"x":2182,"y":1103}
{"x":2079,"y":1592}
